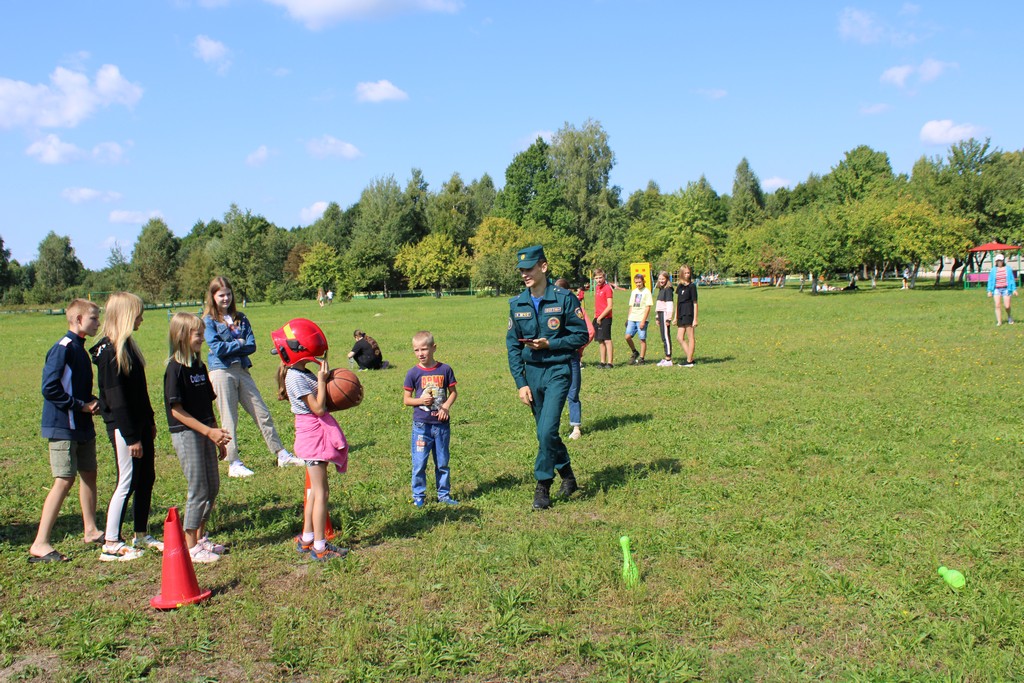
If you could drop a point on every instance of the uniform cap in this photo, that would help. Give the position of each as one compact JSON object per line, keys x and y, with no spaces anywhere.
{"x":528,"y":256}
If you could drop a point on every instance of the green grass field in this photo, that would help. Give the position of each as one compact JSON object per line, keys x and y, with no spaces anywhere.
{"x":789,"y":500}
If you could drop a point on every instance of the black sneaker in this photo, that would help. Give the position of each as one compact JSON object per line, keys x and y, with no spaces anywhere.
{"x":568,"y":488}
{"x":542,"y":495}
{"x":633,"y":359}
{"x":640,"y":361}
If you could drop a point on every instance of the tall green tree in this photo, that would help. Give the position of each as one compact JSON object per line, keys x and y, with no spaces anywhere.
{"x":56,"y":269}
{"x":154,"y":261}
{"x":746,"y":205}
{"x":5,"y":261}
{"x":321,"y":268}
{"x":451,"y":212}
{"x":251,"y":252}
{"x":863,"y":172}
{"x":581,"y":161}
{"x":436,"y":261}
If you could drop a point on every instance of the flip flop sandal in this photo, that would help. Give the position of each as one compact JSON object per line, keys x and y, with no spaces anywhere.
{"x":53,"y":556}
{"x":99,"y":540}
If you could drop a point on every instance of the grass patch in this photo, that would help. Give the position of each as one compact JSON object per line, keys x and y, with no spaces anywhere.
{"x":789,"y":500}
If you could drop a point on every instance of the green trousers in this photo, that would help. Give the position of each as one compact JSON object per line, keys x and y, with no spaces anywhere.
{"x":550,"y":386}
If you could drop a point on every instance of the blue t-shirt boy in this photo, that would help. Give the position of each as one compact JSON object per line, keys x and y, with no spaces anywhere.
{"x":430,"y":391}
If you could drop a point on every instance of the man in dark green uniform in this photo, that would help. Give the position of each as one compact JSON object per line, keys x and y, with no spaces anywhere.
{"x":545,"y":327}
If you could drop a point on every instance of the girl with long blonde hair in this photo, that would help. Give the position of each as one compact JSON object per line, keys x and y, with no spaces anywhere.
{"x":131,"y":427}
{"x":188,"y":398}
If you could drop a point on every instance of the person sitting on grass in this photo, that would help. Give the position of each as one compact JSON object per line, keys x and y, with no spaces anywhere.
{"x":68,"y":407}
{"x":366,"y":353}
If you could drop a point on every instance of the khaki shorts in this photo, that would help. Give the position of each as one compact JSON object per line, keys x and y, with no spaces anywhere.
{"x":68,"y":457}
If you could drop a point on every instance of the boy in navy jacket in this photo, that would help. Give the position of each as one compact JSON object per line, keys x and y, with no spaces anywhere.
{"x":68,"y":407}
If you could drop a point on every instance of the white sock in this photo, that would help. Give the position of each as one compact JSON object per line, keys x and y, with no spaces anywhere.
{"x":307,"y":538}
{"x":319,"y":545}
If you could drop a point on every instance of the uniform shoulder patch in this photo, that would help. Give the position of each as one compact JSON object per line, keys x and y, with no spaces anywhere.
{"x":64,"y":341}
{"x":579,"y":313}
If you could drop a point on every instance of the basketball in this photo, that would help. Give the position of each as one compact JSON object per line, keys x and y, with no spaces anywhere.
{"x":343,"y":390}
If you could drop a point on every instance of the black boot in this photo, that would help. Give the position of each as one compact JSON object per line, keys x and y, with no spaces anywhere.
{"x":569,"y":486}
{"x":542,"y":495}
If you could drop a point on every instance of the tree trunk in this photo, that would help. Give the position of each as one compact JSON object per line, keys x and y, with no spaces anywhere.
{"x":913,"y":275}
{"x":803,"y":278}
{"x":952,"y":271}
{"x":938,"y":273}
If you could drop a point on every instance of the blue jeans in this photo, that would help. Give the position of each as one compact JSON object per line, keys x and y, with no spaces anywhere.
{"x":575,"y":409}
{"x":427,"y":438}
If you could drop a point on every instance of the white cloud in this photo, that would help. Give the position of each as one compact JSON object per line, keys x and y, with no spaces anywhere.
{"x":931,"y":69}
{"x":52,"y":150}
{"x":872,"y":109}
{"x":928,"y":71}
{"x":863,"y":27}
{"x":213,"y":52}
{"x":775,"y":182}
{"x":713,"y":93}
{"x":133,"y":217}
{"x":945,"y":132}
{"x":258,"y":157}
{"x":381,"y":91}
{"x":311,"y":213}
{"x":910,"y":9}
{"x":108,"y":152}
{"x":867,"y":29}
{"x":318,"y":14}
{"x":897,"y":75}
{"x":69,"y":98}
{"x":77,"y":195}
{"x":330,"y":146}
{"x":281,"y":72}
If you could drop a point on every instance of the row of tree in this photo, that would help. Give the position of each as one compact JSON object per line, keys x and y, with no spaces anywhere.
{"x":859,"y":217}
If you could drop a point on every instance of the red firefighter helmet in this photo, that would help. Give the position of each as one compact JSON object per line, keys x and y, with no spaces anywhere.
{"x":298,"y":341}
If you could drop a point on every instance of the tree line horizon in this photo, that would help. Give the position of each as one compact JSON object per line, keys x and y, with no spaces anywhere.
{"x":859,"y":217}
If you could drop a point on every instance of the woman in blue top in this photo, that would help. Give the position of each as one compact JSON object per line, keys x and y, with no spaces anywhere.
{"x":1002,"y":284}
{"x":231,"y":342}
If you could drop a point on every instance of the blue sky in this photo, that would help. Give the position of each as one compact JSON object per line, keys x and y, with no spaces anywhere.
{"x":114,"y":112}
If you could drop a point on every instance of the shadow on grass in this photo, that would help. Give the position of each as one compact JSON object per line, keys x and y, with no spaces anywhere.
{"x":617,"y":476}
{"x":505,"y":481}
{"x":616,"y":421}
{"x":241,"y":517}
{"x":415,"y":523}
{"x":700,"y":360}
{"x":356,"y":447}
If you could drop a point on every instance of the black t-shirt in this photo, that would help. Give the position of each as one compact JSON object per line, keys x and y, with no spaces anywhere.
{"x":365,"y":355}
{"x":189,"y":386}
{"x":687,"y":298}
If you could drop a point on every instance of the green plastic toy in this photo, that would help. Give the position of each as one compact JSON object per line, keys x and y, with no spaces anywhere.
{"x":630,"y":574}
{"x":952,"y":577}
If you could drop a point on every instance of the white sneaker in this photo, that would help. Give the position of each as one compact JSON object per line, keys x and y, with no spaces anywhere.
{"x":237,"y":469}
{"x":284,"y":459}
{"x":119,"y":552}
{"x":576,"y":433}
{"x":201,"y":555}
{"x":147,"y":542}
{"x":664,"y":363}
{"x":207,"y":544}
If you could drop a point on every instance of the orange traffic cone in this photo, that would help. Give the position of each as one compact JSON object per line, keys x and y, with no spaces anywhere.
{"x":328,"y":528}
{"x":178,"y":585}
